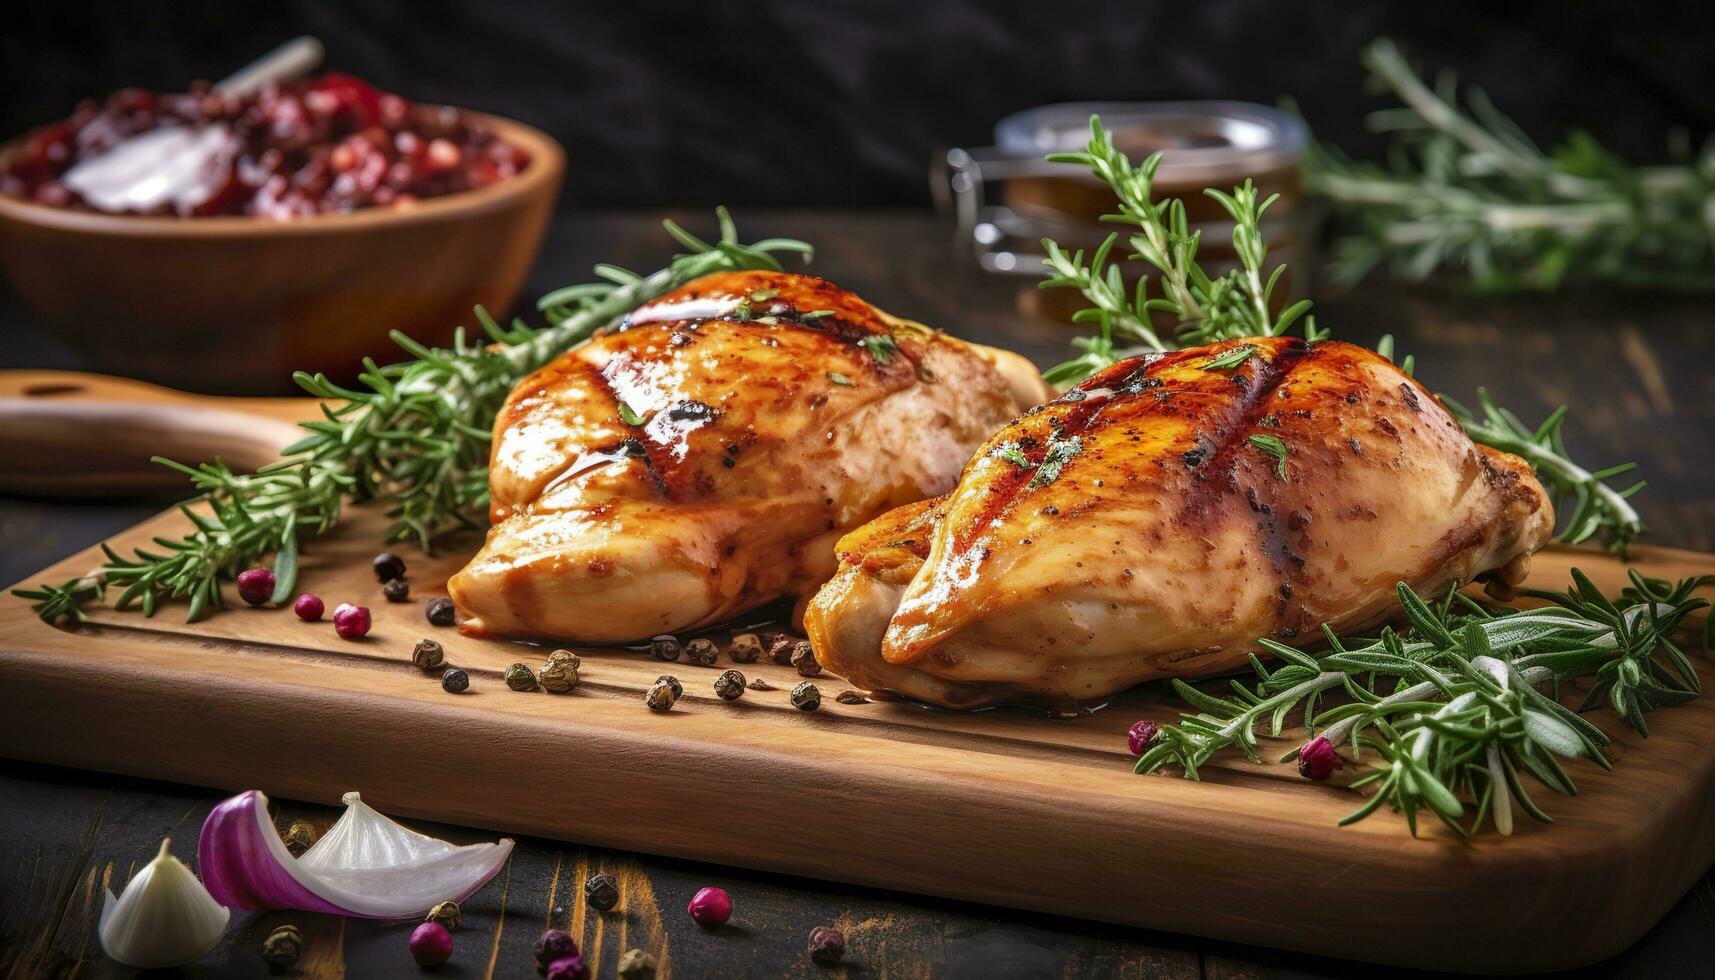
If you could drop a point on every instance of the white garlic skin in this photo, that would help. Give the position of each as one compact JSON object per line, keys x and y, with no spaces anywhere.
{"x":166,"y":917}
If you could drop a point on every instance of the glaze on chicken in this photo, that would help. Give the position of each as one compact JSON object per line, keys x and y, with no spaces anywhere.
{"x":1160,"y":517}
{"x":702,"y":457}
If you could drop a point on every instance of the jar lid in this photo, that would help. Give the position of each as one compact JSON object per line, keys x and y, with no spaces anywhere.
{"x":1202,"y":143}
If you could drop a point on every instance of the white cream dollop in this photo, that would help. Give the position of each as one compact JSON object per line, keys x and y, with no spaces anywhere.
{"x":165,"y":918}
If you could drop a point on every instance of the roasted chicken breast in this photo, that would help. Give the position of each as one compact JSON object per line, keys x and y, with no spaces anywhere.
{"x":702,"y":457}
{"x":1160,"y":517}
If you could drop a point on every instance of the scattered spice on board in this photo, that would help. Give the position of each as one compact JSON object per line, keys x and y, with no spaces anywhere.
{"x":827,"y":945}
{"x":256,"y":586}
{"x":780,"y":648}
{"x":637,"y":964}
{"x":350,"y":622}
{"x":1316,"y":760}
{"x":849,"y":696}
{"x":455,"y":681}
{"x":557,"y":676}
{"x":428,"y":655}
{"x":309,"y":607}
{"x":441,"y":612}
{"x":664,"y":647}
{"x":804,"y":659}
{"x":662,"y":695}
{"x":745,"y":648}
{"x":300,"y":837}
{"x":602,"y":892}
{"x":710,"y":907}
{"x":759,"y":684}
{"x":396,"y":590}
{"x":805,"y":697}
{"x":1141,"y":733}
{"x":447,"y":914}
{"x":701,"y":651}
{"x":566,"y":657}
{"x":729,"y":686}
{"x":520,"y":677}
{"x":388,"y":566}
{"x":282,"y":948}
{"x":553,"y":945}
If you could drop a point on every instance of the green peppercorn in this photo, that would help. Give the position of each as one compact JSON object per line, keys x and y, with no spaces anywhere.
{"x":637,"y":964}
{"x":300,"y":837}
{"x":441,"y":612}
{"x":701,"y":652}
{"x":805,"y":697}
{"x":664,"y":647}
{"x":602,"y":892}
{"x":455,"y":681}
{"x":447,"y":914}
{"x":730,"y":685}
{"x":557,"y":677}
{"x":661,"y":696}
{"x":282,"y":948}
{"x":745,"y":648}
{"x":566,"y":657}
{"x":804,"y":659}
{"x":520,"y":677}
{"x":396,"y":590}
{"x":428,"y":655}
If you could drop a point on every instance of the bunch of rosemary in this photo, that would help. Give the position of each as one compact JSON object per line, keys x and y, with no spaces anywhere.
{"x":1464,"y":186}
{"x":1463,"y":715}
{"x":415,"y":436}
{"x":1236,"y":304}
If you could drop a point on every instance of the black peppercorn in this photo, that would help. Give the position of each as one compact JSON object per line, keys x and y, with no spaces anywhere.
{"x":672,"y":682}
{"x":730,"y":685}
{"x":805,"y":697}
{"x":455,"y":681}
{"x":827,"y":945}
{"x":746,"y":647}
{"x":701,"y":652}
{"x":602,"y":892}
{"x":520,"y":677}
{"x":566,"y":657}
{"x":780,"y":648}
{"x":441,"y":612}
{"x":427,"y":655}
{"x":758,"y":684}
{"x":664,"y":647}
{"x":804,"y":659}
{"x":300,"y":837}
{"x":396,"y":590}
{"x":557,"y":676}
{"x":661,"y":696}
{"x":388,"y":566}
{"x":851,"y":697}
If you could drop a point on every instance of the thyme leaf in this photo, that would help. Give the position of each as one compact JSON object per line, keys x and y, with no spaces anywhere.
{"x":628,"y":416}
{"x":1274,"y":448}
{"x":839,"y":379}
{"x":1061,"y":449}
{"x":1010,"y":452}
{"x":881,"y":346}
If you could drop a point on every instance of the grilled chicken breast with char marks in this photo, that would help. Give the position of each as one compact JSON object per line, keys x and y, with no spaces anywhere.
{"x":1160,"y":517}
{"x":702,"y":457}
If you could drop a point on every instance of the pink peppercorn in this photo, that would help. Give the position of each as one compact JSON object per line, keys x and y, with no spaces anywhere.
{"x":308,"y":607}
{"x":710,"y":907}
{"x":349,"y":621}
{"x":1316,"y":759}
{"x":552,"y":946}
{"x":256,"y":586}
{"x":431,"y":944}
{"x":567,"y":968}
{"x":1140,"y":734}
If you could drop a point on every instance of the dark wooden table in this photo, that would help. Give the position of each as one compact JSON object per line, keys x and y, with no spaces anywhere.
{"x":1635,"y":366}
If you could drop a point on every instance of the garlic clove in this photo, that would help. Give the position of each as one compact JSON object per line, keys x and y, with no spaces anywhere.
{"x":165,"y":918}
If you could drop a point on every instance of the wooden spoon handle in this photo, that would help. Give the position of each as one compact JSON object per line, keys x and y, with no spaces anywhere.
{"x":74,"y":434}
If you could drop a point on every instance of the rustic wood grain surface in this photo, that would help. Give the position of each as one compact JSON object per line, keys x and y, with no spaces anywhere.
{"x":1636,"y":367}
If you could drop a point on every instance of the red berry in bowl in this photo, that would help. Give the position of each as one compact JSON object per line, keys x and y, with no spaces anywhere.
{"x":308,"y":607}
{"x":349,"y":621}
{"x":256,"y":586}
{"x":431,"y":944}
{"x":710,"y":907}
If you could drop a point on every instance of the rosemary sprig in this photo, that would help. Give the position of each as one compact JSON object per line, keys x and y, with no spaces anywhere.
{"x":1236,"y":305}
{"x":1464,"y":186}
{"x":1465,"y":714}
{"x":415,"y":435}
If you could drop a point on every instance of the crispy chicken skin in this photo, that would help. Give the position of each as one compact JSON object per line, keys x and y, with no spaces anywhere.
{"x":1132,"y":529}
{"x":760,"y":429}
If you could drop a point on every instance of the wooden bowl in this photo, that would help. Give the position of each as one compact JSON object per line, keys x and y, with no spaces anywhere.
{"x":236,"y":304}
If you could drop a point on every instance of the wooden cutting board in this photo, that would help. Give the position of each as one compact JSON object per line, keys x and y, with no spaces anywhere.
{"x":1005,"y":806}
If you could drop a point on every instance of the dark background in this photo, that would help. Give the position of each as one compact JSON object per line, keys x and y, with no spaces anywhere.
{"x":830,"y":103}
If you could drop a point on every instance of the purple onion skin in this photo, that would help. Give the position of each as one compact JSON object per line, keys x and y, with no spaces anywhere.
{"x":238,"y":867}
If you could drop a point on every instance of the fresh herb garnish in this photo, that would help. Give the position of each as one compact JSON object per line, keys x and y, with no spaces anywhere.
{"x":1236,"y":304}
{"x":1465,"y":186}
{"x":1452,"y":706}
{"x":628,"y":416}
{"x":1273,"y":447}
{"x":881,"y":346}
{"x":839,"y":379}
{"x":815,"y":315}
{"x":1010,"y":452}
{"x":1061,"y":449}
{"x":414,"y":434}
{"x":1230,"y":358}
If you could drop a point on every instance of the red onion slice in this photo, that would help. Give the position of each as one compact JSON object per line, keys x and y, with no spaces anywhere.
{"x":365,"y":866}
